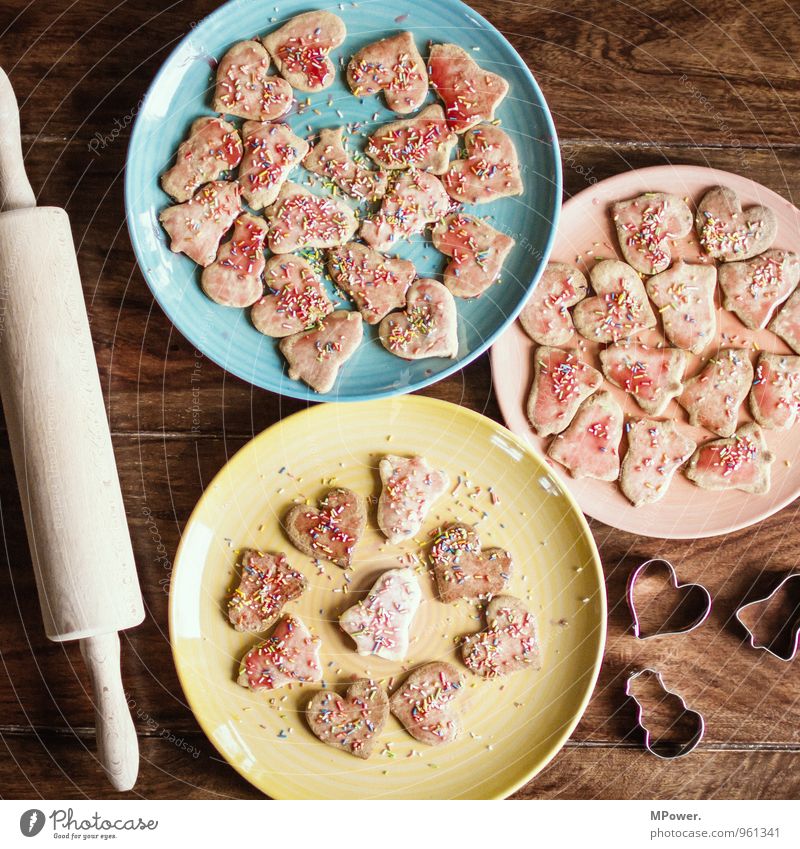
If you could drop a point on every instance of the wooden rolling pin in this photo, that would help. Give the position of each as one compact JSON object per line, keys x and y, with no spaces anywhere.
{"x":61,"y":446}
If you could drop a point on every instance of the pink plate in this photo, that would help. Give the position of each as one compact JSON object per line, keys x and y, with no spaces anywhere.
{"x":586,"y":234}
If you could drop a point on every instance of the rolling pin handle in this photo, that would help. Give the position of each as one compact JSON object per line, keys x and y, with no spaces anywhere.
{"x":117,"y":743}
{"x":15,"y":190}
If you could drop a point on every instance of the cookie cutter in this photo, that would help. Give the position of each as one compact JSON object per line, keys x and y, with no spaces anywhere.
{"x":792,"y":622}
{"x":661,"y":563}
{"x":668,"y":751}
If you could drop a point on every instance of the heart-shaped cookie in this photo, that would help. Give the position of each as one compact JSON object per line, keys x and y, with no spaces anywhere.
{"x":268,"y":582}
{"x":488,"y":170}
{"x":775,"y":396}
{"x":462,"y":569}
{"x":478,"y":252}
{"x":234,"y":278}
{"x":786,"y":323}
{"x":352,"y":722}
{"x":728,"y":232}
{"x":246,"y":89}
{"x":546,"y":317}
{"x":316,"y":355}
{"x":426,"y":328}
{"x":300,"y":49}
{"x":410,"y":488}
{"x":755,"y":288}
{"x":507,"y":644}
{"x":654,"y":376}
{"x":423,"y":142}
{"x":298,"y":299}
{"x":290,"y":654}
{"x":300,"y":219}
{"x":330,"y":531}
{"x":380,"y":623}
{"x":330,"y":159}
{"x":620,"y":308}
{"x":392,"y":65}
{"x":271,"y":152}
{"x":426,"y":703}
{"x":645,"y":225}
{"x":741,"y":462}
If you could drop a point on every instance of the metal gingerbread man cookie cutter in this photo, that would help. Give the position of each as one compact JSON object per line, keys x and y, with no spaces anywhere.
{"x":791,"y":620}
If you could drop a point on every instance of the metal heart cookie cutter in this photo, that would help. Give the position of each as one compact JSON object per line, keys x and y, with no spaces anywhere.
{"x":666,"y":751}
{"x":786,"y":596}
{"x":698,"y":590}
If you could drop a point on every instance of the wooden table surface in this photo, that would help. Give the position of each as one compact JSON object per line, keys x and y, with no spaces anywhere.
{"x":629,"y":84}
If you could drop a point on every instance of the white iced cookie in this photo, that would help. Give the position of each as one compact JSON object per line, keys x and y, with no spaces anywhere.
{"x":410,"y":487}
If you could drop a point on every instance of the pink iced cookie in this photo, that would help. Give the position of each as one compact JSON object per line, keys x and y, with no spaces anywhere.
{"x":589,"y":447}
{"x":713,"y":397}
{"x":509,"y":643}
{"x":300,"y":219}
{"x":470,"y":94}
{"x":426,"y":328}
{"x":267,"y":584}
{"x":410,"y":488}
{"x":786,"y":323}
{"x":394,"y":66}
{"x":290,"y":655}
{"x":645,"y":225}
{"x":196,"y":227}
{"x":478,"y":252}
{"x":234,"y":278}
{"x":740,"y":462}
{"x":296,"y":301}
{"x":775,"y":396}
{"x":414,"y":200}
{"x":462,"y":569}
{"x":315,"y":356}
{"x":755,"y":288}
{"x":380,"y":624}
{"x":246,"y":89}
{"x":422,"y":142}
{"x":684,"y":295}
{"x":652,"y":375}
{"x":656,"y":450}
{"x":376,"y":283}
{"x":546,"y":317}
{"x":489,"y":169}
{"x":212,"y":148}
{"x":330,"y":159}
{"x":301,"y":48}
{"x":426,"y":703}
{"x":271,"y":152}
{"x":728,"y":232}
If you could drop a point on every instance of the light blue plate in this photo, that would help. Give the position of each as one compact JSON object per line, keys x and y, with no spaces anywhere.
{"x":182,"y":91}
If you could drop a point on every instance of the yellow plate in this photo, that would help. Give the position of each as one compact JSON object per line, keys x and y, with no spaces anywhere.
{"x":513,"y":726}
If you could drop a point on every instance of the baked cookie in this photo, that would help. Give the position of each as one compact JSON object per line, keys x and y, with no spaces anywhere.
{"x":289,"y":655}
{"x":619,"y":309}
{"x":509,"y":642}
{"x":297,"y":299}
{"x":755,"y":288}
{"x":316,"y":355}
{"x":786,"y":323}
{"x":656,"y":450}
{"x":739,"y":462}
{"x":462,"y":569}
{"x":652,"y":375}
{"x":271,"y":153}
{"x":301,"y":48}
{"x":478,"y":252}
{"x":713,"y":397}
{"x":330,"y":531}
{"x":376,"y":283}
{"x":380,"y":624}
{"x":212,"y":148}
{"x":426,"y":703}
{"x":728,"y":232}
{"x":589,"y":447}
{"x":560,"y":383}
{"x":645,"y":225}
{"x":423,"y":142}
{"x":196,"y":227}
{"x":684,"y":295}
{"x":427,"y":327}
{"x":470,"y":94}
{"x":394,"y":66}
{"x":234,"y":278}
{"x":488,"y":170}
{"x":410,"y":486}
{"x":546,"y":317}
{"x":300,"y":219}
{"x":246,"y":89}
{"x":352,"y":722}
{"x":330,"y":159}
{"x":775,"y":395}
{"x":268,"y":583}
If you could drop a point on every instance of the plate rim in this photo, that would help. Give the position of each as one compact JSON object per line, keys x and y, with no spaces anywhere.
{"x":420,"y":401}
